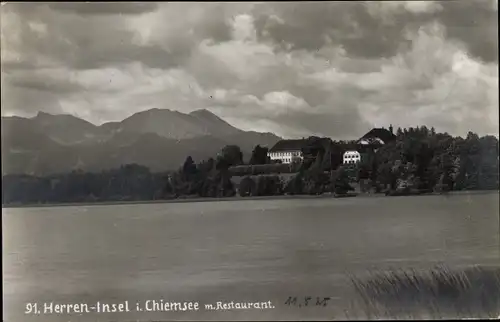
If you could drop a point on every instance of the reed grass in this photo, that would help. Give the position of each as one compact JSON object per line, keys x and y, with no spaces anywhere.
{"x":441,"y":292}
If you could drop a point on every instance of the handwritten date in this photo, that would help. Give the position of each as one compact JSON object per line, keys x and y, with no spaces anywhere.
{"x":307,"y":301}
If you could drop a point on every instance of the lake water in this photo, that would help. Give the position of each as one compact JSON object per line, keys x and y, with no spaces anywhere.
{"x":242,"y":251}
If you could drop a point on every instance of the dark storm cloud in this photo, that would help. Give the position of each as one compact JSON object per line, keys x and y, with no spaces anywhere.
{"x":85,"y":42}
{"x":310,"y":26}
{"x":475,"y":23}
{"x":94,"y":42}
{"x":367,"y":32}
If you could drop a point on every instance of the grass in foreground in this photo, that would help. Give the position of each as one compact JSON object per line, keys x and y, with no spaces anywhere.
{"x":473,"y":292}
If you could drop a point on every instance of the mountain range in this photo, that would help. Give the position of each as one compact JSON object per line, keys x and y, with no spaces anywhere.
{"x":160,"y":139}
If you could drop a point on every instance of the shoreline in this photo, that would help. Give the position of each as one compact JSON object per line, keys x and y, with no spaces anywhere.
{"x":239,"y":198}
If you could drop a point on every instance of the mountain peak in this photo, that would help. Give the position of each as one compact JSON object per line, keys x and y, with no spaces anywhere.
{"x":43,"y":114}
{"x":201,"y":111}
{"x":155,"y":112}
{"x":205,"y":114}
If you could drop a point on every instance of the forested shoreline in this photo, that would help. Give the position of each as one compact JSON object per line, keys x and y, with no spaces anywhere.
{"x":418,"y":161}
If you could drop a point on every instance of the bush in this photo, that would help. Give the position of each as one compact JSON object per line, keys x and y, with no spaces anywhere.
{"x":295,"y":186}
{"x":247,"y":187}
{"x":247,"y":170}
{"x":269,"y":186}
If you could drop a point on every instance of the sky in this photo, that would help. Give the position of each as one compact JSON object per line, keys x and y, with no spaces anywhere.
{"x":333,"y":69}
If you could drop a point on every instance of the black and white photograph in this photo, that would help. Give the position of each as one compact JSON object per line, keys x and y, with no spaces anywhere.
{"x":250,"y":161}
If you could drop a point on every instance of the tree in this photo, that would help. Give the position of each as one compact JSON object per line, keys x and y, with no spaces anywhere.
{"x":268,"y":185}
{"x":316,"y":167}
{"x":340,"y":181}
{"x":315,"y":178}
{"x":188,"y":168}
{"x":247,"y":187}
{"x":399,"y":133}
{"x":206,"y":166}
{"x":424,"y":131}
{"x":232,"y":155}
{"x":169,"y":187}
{"x":295,"y":164}
{"x":221,"y":163}
{"x":259,"y":155}
{"x":327,"y":159}
{"x":363,"y":172}
{"x":225,"y":187}
{"x":295,"y":185}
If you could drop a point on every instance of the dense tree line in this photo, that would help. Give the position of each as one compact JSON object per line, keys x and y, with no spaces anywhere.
{"x":422,"y":159}
{"x":129,"y":182}
{"x":419,"y":160}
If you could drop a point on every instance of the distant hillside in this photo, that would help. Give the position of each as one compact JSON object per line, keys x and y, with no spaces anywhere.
{"x":158,"y":139}
{"x":173,"y":124}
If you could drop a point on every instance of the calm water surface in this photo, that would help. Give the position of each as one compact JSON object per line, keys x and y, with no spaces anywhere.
{"x":244,"y":251}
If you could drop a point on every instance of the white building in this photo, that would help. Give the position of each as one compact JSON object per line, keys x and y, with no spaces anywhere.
{"x":287,"y":151}
{"x":351,"y":157}
{"x":374,"y":139}
{"x":285,"y":156}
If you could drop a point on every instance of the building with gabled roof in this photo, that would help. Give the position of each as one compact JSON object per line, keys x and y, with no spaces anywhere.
{"x":371,"y":141}
{"x":378,"y":136}
{"x":287,"y":150}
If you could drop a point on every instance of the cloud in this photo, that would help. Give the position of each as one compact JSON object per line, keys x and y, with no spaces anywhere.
{"x":423,"y":6}
{"x":105,"y":8}
{"x":243,"y":28}
{"x":375,"y":29}
{"x":474,"y":23}
{"x":324,"y":68}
